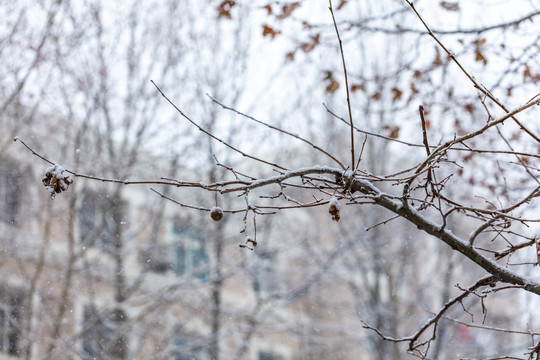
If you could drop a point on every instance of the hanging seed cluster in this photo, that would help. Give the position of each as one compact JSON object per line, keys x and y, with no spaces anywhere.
{"x":333,"y":208}
{"x":56,"y":180}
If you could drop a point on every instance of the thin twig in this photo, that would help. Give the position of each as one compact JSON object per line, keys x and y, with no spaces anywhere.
{"x":163,"y":181}
{"x":212,"y":135}
{"x":382,"y":222}
{"x":200,"y":208}
{"x":486,"y":280}
{"x":424,"y":129}
{"x":469,"y":76}
{"x":346,"y":86}
{"x":485,"y":327}
{"x":279,"y":130}
{"x":442,"y":148}
{"x":425,"y":140}
{"x":480,"y":151}
{"x":478,"y":30}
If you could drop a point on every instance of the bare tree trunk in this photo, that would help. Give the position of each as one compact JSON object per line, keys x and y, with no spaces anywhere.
{"x":217,"y":286}
{"x":65,"y":297}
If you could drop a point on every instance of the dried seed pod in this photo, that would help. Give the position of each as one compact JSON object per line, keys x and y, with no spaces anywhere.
{"x":249,"y":240}
{"x":249,"y":244}
{"x":56,"y":180}
{"x":333,"y":209}
{"x":216,"y":213}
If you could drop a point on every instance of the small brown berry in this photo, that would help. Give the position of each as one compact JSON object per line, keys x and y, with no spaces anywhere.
{"x":216,"y":213}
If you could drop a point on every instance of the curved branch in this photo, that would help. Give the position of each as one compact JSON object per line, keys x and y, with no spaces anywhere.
{"x":456,"y":243}
{"x":441,"y":148}
{"x":477,"y":30}
{"x":365,"y":187}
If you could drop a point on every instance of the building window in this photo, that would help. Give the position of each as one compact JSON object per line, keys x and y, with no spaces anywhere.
{"x":102,"y":338}
{"x":264,"y":279}
{"x":11,"y":314}
{"x":10,"y":191}
{"x":183,"y":254}
{"x":158,"y":258}
{"x":188,"y":346}
{"x":100,"y":220}
{"x":265,"y":355}
{"x":190,"y":251}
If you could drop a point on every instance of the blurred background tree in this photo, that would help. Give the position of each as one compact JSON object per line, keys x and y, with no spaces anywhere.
{"x":76,"y":84}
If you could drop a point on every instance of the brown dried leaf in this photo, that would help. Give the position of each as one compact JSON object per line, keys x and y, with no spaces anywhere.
{"x":394,"y":134}
{"x":480,"y":42}
{"x":376,"y":95}
{"x":224,"y":9}
{"x":290,"y":56}
{"x":333,"y":86}
{"x":478,"y":47}
{"x":527,"y":74}
{"x":341,"y":4}
{"x":307,"y":47}
{"x":469,"y":108}
{"x":287,"y":9}
{"x":356,"y":87}
{"x":437,"y":60}
{"x":468,"y":157}
{"x":480,"y":57}
{"x":268,"y":31}
{"x":396,"y":94}
{"x":391,"y":130}
{"x":450,"y":6}
{"x":414,"y":89}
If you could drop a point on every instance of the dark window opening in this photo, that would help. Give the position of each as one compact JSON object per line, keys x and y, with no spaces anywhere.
{"x":264,"y":279}
{"x":263,"y":355}
{"x":102,"y":338}
{"x":188,"y":346}
{"x":100,"y":221}
{"x":190,"y":251}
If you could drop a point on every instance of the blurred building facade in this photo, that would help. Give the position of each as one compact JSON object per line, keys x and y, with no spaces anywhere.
{"x":110,"y":271}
